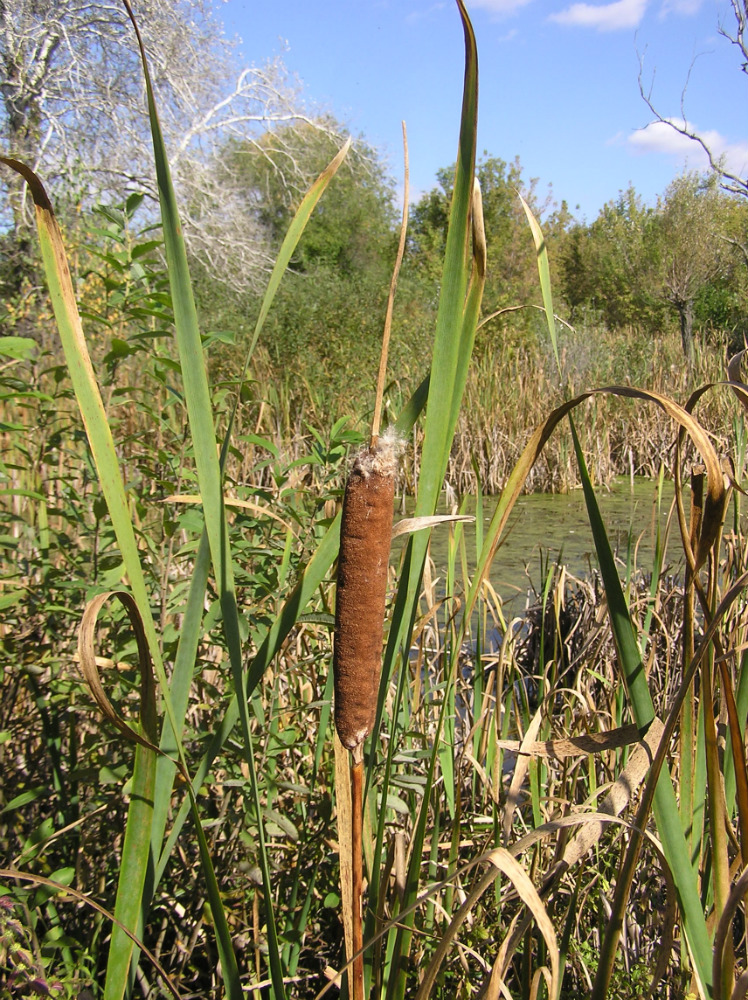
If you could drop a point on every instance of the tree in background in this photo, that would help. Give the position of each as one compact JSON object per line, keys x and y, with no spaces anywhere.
{"x":325,"y":327}
{"x":693,"y":228}
{"x":346,"y":231}
{"x":634,"y":264}
{"x":511,"y":279}
{"x":72,"y":107}
{"x":608,"y":267}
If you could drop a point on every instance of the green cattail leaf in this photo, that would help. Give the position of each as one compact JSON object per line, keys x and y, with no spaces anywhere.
{"x":199,"y":410}
{"x":544,"y":273}
{"x":292,"y":237}
{"x":209,"y":471}
{"x":190,"y":632}
{"x":453,"y":340}
{"x":445,"y":390}
{"x":134,"y":865}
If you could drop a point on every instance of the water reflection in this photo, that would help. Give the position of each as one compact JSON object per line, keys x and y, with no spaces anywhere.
{"x":547,"y":527}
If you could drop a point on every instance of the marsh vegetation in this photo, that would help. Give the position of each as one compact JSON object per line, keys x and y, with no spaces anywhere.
{"x":555,"y":795}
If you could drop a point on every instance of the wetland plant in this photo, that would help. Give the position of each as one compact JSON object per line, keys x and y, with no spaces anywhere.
{"x":497,"y":837}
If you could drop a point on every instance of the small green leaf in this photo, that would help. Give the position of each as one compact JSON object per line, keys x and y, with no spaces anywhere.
{"x":32,"y":795}
{"x":283,"y":823}
{"x":19,"y":348}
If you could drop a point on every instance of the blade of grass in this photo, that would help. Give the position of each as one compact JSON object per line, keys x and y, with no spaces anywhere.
{"x":452,"y":340}
{"x":286,"y":252}
{"x":201,"y":423}
{"x":191,"y":629}
{"x":200,"y":415}
{"x":449,"y":365}
{"x":288,"y":615}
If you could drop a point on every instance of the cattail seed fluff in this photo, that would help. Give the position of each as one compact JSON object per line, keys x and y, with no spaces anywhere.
{"x":365,"y":536}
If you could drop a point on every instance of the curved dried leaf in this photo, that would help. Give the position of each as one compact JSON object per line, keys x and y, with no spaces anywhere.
{"x":503,"y":861}
{"x":734,"y":374}
{"x":89,"y":667}
{"x":575,"y":746}
{"x":410,"y":524}
{"x":256,"y":508}
{"x":520,"y":770}
{"x":741,"y":988}
{"x":527,"y":892}
{"x":594,"y":823}
{"x":516,"y":481}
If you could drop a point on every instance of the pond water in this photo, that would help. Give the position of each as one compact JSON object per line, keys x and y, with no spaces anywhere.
{"x":545,"y":527}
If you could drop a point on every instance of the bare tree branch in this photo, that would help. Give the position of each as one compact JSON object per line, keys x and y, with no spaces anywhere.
{"x":72,"y":105}
{"x":728,"y":180}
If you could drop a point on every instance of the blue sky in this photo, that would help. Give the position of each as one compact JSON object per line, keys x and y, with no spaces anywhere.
{"x":558,"y":83}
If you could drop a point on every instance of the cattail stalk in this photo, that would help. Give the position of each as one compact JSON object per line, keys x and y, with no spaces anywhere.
{"x":363,"y":563}
{"x":365,"y":537}
{"x":357,"y":859}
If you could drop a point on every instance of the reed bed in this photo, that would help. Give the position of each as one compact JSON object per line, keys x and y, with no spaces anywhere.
{"x":283,"y":430}
{"x":553,"y":804}
{"x":551,"y":669}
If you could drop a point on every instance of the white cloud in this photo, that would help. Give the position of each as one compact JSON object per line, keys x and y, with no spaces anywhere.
{"x":424,"y":15}
{"x":604,"y":17}
{"x":501,"y":7}
{"x":659,"y":137}
{"x":686,"y":7}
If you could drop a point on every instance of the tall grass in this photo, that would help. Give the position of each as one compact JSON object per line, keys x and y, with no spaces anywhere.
{"x":528,"y":829}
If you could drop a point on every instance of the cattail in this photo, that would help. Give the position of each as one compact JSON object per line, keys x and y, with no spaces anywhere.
{"x":365,"y":536}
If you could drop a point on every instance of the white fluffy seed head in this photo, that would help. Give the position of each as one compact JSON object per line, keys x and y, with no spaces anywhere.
{"x":384,"y":457}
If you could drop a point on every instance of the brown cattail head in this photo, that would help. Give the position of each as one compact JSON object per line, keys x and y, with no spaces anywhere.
{"x":365,"y":536}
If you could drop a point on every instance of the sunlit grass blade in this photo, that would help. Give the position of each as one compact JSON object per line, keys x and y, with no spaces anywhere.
{"x":544,"y":274}
{"x":413,"y":408}
{"x":191,"y":630}
{"x":450,"y":339}
{"x":665,"y":803}
{"x":453,"y":339}
{"x":197,"y":396}
{"x":288,"y":246}
{"x":471,"y":311}
{"x":166,"y":765}
{"x":202,"y":430}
